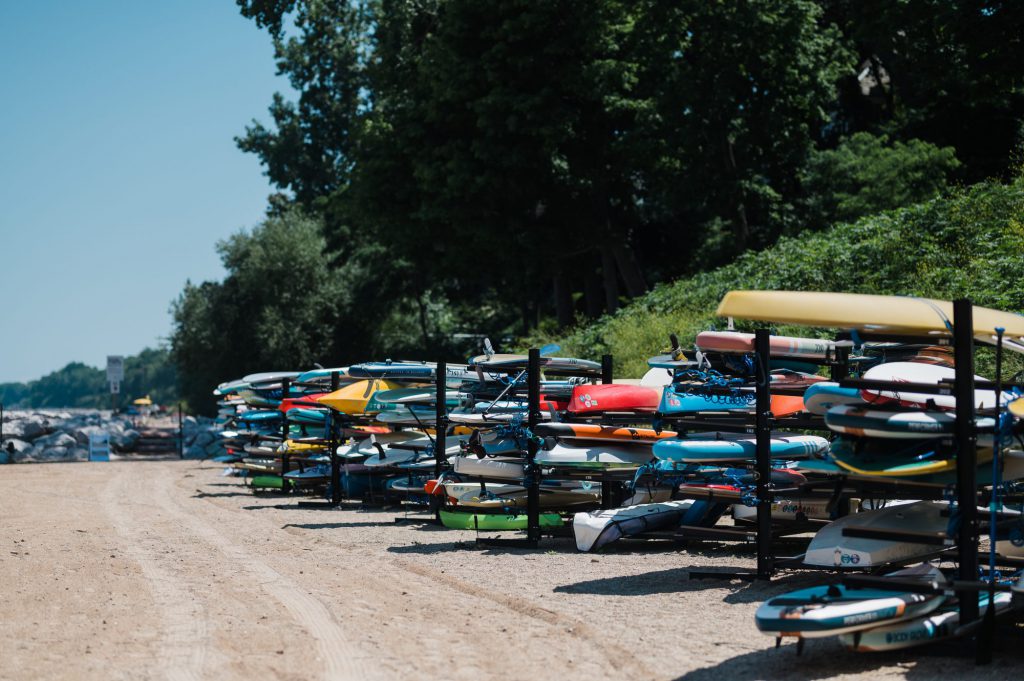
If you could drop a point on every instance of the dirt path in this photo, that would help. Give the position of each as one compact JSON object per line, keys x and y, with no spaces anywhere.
{"x":145,"y":570}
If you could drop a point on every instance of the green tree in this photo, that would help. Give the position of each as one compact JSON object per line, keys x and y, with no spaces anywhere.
{"x":866,"y":174}
{"x":743,"y":91}
{"x":280,"y":307}
{"x":945,"y":72}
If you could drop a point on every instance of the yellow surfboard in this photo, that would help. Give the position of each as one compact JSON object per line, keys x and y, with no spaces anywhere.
{"x":889,"y":314}
{"x":353,"y":398}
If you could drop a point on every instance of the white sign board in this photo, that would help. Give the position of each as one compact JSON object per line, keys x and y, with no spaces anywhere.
{"x":115,"y":387}
{"x":115,"y":368}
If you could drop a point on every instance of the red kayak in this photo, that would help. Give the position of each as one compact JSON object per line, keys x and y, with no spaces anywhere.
{"x":306,"y":401}
{"x":613,"y":397}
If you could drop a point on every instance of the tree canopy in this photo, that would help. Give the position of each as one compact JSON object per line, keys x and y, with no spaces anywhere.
{"x":480,"y":166}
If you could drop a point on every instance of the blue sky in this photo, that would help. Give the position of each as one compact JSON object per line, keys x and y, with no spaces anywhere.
{"x":118,"y":169}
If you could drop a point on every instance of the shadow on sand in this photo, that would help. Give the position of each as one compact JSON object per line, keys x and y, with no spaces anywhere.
{"x":826,"y":658}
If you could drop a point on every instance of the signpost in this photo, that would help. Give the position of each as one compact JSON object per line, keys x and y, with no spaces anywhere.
{"x":115,"y":374}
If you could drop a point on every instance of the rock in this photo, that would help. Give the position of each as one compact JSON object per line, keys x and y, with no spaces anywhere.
{"x":55,"y":454}
{"x":204,"y":438}
{"x":124,"y":440}
{"x":55,"y":440}
{"x":82,"y":434}
{"x":13,"y":447}
{"x":195,"y":452}
{"x":27,"y":428}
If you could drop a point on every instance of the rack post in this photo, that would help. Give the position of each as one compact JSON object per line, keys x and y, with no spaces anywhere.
{"x":441,"y":419}
{"x":763,"y":432}
{"x":966,"y":455}
{"x":532,"y":472}
{"x":335,"y":461}
{"x":286,"y":386}
{"x":181,"y":433}
{"x":606,"y":369}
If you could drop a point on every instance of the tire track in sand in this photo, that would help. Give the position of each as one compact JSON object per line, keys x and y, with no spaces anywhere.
{"x":342,"y":659}
{"x":185,"y":640}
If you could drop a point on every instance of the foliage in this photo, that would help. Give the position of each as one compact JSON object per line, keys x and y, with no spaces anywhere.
{"x":277,"y":307}
{"x":78,"y":385}
{"x":965,"y":244}
{"x":437,"y":128}
{"x":868,"y":173}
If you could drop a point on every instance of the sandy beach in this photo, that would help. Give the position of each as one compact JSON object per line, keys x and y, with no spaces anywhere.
{"x":164,"y":569}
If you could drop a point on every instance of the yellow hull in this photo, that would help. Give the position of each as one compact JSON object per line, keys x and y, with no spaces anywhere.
{"x":353,"y":398}
{"x":890,"y":314}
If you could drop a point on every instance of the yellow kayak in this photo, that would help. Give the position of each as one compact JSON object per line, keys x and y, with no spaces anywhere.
{"x":353,"y":398}
{"x":894,"y":314}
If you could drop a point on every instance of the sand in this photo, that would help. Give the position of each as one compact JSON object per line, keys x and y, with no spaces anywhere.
{"x":164,"y":569}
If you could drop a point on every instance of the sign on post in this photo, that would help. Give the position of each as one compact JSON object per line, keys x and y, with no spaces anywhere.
{"x":115,"y":368}
{"x":115,"y":387}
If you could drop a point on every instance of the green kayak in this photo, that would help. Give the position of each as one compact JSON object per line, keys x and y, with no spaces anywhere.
{"x":266,"y":482}
{"x":494,"y":521}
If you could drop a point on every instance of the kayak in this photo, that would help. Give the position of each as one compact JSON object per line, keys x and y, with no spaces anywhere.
{"x":493,"y":521}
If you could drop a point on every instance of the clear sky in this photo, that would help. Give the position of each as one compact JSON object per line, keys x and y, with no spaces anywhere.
{"x":118,"y":169}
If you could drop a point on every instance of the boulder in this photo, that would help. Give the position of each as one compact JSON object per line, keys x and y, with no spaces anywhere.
{"x":57,"y":439}
{"x":124,"y":440}
{"x":82,"y":434}
{"x":11,"y":449}
{"x":195,"y":452}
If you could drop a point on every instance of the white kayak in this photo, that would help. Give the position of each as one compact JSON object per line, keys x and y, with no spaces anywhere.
{"x":489,"y":467}
{"x":600,"y":528}
{"x":596,"y":456}
{"x":915,"y":372}
{"x":409,"y":451}
{"x":829,"y":548}
{"x":366,"y":447}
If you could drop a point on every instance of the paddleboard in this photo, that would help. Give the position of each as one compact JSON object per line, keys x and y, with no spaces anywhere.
{"x":714,"y":447}
{"x":829,"y":548}
{"x":511,"y":362}
{"x":821,"y":397}
{"x":907,"y":633}
{"x":778,"y":346}
{"x":836,"y":609}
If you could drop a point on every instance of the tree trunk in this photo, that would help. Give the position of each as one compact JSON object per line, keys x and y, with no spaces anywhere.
{"x":423,"y":321}
{"x":563,"y":301}
{"x":611,"y":281}
{"x":740,"y":227}
{"x":592,"y":293}
{"x":631,"y":274}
